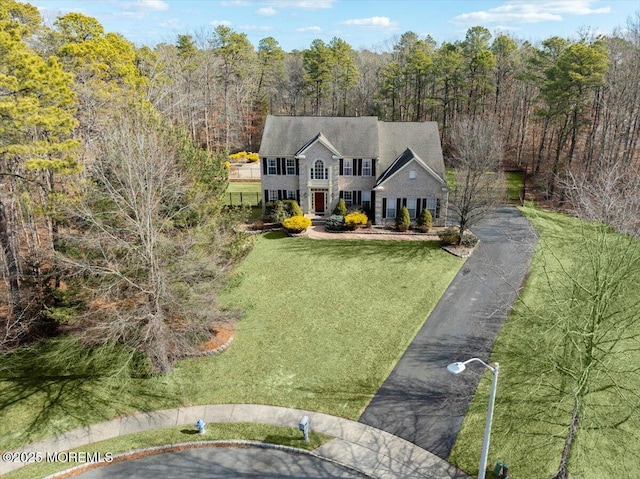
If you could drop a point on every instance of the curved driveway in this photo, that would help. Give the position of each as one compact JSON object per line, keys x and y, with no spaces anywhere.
{"x":420,"y":401}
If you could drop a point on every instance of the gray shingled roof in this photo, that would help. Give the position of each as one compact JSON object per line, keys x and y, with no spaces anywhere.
{"x":355,"y":137}
{"x":351,"y":136}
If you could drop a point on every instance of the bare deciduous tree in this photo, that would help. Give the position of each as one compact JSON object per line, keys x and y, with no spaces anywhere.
{"x":149,"y":266}
{"x":476,"y":154}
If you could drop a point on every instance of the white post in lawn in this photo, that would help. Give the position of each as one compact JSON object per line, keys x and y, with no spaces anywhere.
{"x":457,"y":368}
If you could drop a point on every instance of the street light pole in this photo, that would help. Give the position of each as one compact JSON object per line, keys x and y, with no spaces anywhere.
{"x":457,"y":368}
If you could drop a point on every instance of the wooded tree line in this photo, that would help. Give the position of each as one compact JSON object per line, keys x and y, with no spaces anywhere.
{"x":112,"y":224}
{"x":560,"y":105}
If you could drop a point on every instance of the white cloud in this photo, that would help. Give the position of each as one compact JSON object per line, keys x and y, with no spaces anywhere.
{"x":146,"y":5}
{"x":259,"y":28}
{"x":372,"y":22}
{"x":522,"y":11}
{"x":217,"y":23}
{"x":309,"y":29}
{"x":267,"y":12}
{"x":303,"y":4}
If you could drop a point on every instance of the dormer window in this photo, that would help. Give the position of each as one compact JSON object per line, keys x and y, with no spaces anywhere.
{"x":318,"y":171}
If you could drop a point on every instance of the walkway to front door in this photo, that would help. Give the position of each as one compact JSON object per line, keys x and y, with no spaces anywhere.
{"x":318,"y":202}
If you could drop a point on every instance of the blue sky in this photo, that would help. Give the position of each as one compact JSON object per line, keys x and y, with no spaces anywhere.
{"x":362,"y":23}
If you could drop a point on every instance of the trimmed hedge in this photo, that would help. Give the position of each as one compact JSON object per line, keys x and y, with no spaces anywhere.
{"x":425,"y":221}
{"x":334,"y":223}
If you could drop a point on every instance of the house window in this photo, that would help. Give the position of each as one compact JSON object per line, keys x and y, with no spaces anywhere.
{"x":272,"y":169}
{"x":366,"y":199}
{"x":366,"y":168}
{"x":291,"y":167}
{"x":413,"y":175}
{"x":347,"y":196}
{"x":391,"y":207}
{"x":273,"y":195}
{"x":347,"y":167}
{"x":411,"y":206}
{"x":431,"y":206}
{"x":319,"y":172}
{"x":291,"y":194}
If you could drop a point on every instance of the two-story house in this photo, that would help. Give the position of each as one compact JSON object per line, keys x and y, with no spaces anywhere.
{"x":373,"y":165}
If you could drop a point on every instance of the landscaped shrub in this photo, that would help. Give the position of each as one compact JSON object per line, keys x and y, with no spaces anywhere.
{"x":403,"y":220}
{"x":449,"y":236}
{"x":334,"y":223}
{"x":278,"y":210}
{"x":243,"y":155}
{"x":296,"y":224}
{"x":355,"y":219}
{"x":295,"y":208}
{"x":341,"y":208}
{"x":469,"y":239}
{"x":277,"y":213}
{"x":425,"y":221}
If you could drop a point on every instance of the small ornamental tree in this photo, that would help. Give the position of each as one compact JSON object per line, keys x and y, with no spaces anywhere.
{"x":403,"y":220}
{"x":425,"y":221}
{"x":341,"y":208}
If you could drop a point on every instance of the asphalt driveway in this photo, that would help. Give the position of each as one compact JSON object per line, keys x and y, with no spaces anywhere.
{"x":420,"y":401}
{"x":224,"y":463}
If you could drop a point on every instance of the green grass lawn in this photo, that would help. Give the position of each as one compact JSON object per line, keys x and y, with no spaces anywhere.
{"x":514,"y":180}
{"x":324,"y":324}
{"x":534,"y":403}
{"x":243,"y":192}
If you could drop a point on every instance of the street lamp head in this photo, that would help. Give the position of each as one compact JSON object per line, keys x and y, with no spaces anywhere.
{"x":456,"y":368}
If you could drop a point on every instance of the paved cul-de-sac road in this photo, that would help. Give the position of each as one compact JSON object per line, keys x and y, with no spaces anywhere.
{"x":421,"y":401}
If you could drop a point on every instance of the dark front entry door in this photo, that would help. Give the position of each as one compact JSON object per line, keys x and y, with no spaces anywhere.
{"x":319,"y":201}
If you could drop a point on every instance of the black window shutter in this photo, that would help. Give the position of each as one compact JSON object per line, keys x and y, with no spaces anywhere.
{"x":264,"y":167}
{"x":297,"y":166}
{"x":341,"y":168}
{"x":266,"y":196}
{"x":373,"y":167}
{"x":398,"y":205}
{"x":424,"y":203}
{"x":298,"y":196}
{"x":340,"y":194}
{"x":438,"y":208}
{"x":359,"y":194}
{"x":373,"y":201}
{"x":418,"y":207}
{"x":279,"y":194}
{"x":384,"y":208}
{"x":404,"y":202}
{"x":359,"y":167}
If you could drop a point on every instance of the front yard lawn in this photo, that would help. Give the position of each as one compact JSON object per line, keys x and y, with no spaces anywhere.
{"x":540,"y":361}
{"x":325,"y":321}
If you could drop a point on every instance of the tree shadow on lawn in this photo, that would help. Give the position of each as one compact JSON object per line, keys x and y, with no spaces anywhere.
{"x":49,"y":395}
{"x":398,"y":251}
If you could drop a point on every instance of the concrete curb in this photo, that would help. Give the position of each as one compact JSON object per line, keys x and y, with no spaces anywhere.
{"x":361,"y":447}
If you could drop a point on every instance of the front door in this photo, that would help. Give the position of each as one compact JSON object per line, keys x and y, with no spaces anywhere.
{"x":318,"y":198}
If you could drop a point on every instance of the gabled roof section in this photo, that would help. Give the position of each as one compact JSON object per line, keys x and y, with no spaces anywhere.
{"x":319,"y":138}
{"x":404,"y":159}
{"x":353,"y":137}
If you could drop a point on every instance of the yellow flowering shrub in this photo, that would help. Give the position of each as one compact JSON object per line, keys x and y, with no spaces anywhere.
{"x":296,"y":224}
{"x":243,"y":155}
{"x":355,"y":219}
